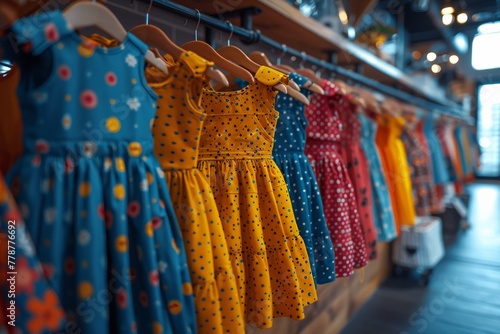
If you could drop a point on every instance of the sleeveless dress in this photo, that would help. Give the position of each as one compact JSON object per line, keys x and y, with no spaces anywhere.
{"x":383,"y":215}
{"x":447,"y":152}
{"x":420,"y":174}
{"x":436,"y":205}
{"x":396,"y":168}
{"x":357,"y":167}
{"x":268,"y":254}
{"x":337,"y":191}
{"x":176,"y":131}
{"x":37,"y":307}
{"x":88,"y":185}
{"x":288,"y":153}
{"x":440,"y":173}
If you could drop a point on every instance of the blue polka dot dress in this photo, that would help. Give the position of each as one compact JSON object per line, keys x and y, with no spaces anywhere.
{"x":89,"y":187}
{"x":288,"y":153}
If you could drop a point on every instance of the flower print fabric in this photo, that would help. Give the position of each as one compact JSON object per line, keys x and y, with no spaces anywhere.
{"x":176,"y":131}
{"x":420,"y":174}
{"x":337,"y":191}
{"x":89,"y":187}
{"x":268,"y":255}
{"x":383,"y":215}
{"x":288,"y":153}
{"x":37,"y":306}
{"x":357,"y":166}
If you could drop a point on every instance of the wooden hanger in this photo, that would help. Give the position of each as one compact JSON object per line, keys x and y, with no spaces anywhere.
{"x":205,"y":51}
{"x":239,"y":57}
{"x":371,"y":103}
{"x":155,"y":37}
{"x":86,"y":14}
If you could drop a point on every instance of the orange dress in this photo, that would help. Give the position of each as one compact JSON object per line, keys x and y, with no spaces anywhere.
{"x":268,"y":254}
{"x":396,"y":169}
{"x":176,"y":131}
{"x":11,"y":125}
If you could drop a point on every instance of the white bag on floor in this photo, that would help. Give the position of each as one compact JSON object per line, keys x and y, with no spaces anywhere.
{"x":419,"y":246}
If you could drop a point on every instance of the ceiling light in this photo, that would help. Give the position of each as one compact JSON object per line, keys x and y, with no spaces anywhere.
{"x":431,"y":56}
{"x":447,"y":10}
{"x":462,"y":18}
{"x":453,"y":59}
{"x":447,"y":19}
{"x":435,"y":68}
{"x":416,"y":55}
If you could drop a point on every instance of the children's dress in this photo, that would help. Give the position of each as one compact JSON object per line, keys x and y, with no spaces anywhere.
{"x":268,"y":255}
{"x":36,"y":307}
{"x":176,"y":131}
{"x":89,"y":187}
{"x":357,"y":166}
{"x":396,"y":169}
{"x":288,"y":153}
{"x":383,"y":215}
{"x":337,"y":191}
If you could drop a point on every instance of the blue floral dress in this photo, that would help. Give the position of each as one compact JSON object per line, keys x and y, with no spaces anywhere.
{"x":34,"y":307}
{"x":382,"y":207}
{"x":89,"y":187}
{"x":288,"y":153}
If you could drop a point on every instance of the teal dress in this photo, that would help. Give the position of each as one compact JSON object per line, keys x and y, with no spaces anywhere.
{"x":440,"y":172}
{"x":288,"y":153}
{"x":382,"y":208}
{"x":89,"y":187}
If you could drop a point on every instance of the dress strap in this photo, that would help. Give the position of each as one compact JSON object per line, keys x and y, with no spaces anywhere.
{"x":330,"y":88}
{"x":196,"y":64}
{"x":270,"y":76}
{"x":36,"y":33}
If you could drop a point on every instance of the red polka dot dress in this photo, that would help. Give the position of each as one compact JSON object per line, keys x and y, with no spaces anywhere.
{"x":337,"y":191}
{"x":357,"y":166}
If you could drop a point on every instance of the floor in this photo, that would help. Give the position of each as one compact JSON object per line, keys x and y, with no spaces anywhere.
{"x":463,"y":295}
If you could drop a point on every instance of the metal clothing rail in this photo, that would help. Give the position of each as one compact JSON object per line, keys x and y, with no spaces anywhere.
{"x":252,"y":36}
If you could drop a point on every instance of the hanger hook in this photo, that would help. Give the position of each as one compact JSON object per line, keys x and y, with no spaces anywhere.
{"x":198,"y":15}
{"x":231,"y":32}
{"x":284,"y":48}
{"x":147,"y":13}
{"x":304,"y":56}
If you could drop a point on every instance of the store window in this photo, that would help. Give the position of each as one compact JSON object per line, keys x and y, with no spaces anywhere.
{"x":488,"y":130}
{"x":486,"y":47}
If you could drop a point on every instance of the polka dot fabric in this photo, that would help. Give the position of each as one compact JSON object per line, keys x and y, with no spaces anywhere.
{"x":357,"y":166}
{"x":382,"y":208}
{"x":288,"y":153}
{"x":337,"y":191}
{"x":176,"y":131}
{"x":268,"y":255}
{"x":89,"y":187}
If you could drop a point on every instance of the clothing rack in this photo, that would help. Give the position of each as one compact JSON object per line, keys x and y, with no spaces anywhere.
{"x":254,"y":36}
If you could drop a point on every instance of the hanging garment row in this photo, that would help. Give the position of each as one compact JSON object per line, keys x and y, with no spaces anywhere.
{"x":158,"y":196}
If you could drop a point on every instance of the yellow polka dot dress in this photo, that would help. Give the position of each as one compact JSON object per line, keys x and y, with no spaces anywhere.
{"x":176,"y":132}
{"x":267,"y":253}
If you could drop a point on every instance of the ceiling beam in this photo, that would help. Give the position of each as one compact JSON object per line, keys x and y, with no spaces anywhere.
{"x":424,"y":36}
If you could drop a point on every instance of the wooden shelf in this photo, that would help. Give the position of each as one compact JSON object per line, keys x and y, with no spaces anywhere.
{"x":284,"y":23}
